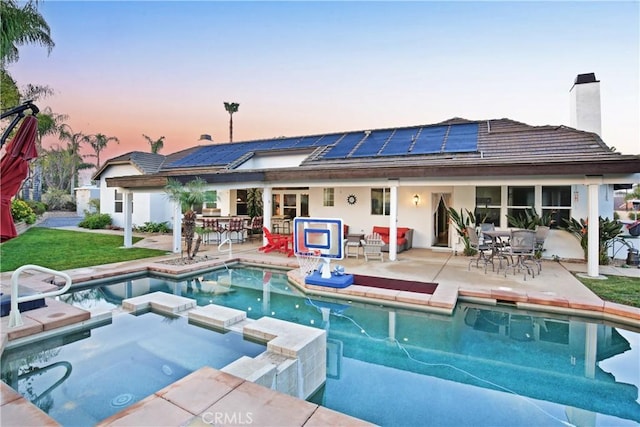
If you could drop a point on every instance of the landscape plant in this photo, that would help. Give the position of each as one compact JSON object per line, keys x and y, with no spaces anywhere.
{"x":188,"y":195}
{"x":529,"y":220}
{"x":610,"y":231}
{"x":153,"y":227}
{"x":57,"y":199}
{"x":22,"y":212}
{"x":461,"y":221}
{"x":95,"y":221}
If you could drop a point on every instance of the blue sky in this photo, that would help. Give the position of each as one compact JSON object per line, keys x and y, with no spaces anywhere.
{"x":126,"y":68}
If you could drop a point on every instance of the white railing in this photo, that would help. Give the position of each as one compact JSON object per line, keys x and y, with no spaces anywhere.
{"x":15,"y":319}
{"x":230,"y":250}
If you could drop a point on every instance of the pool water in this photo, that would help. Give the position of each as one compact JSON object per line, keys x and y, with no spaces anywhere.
{"x":82,"y":378}
{"x":482,"y":366}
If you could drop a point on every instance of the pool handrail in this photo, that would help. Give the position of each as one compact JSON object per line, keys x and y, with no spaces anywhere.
{"x":15,"y":319}
{"x":230,"y":250}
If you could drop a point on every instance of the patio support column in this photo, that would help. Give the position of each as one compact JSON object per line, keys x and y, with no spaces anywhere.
{"x":127,"y":200}
{"x":177,"y":227}
{"x":393,"y":220}
{"x":266,"y":210}
{"x":593,"y":258}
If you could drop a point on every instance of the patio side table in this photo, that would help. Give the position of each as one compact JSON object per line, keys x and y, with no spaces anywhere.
{"x":352,"y":248}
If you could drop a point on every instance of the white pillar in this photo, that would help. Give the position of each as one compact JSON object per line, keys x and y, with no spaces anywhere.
{"x":127,"y":200}
{"x":393,"y":220}
{"x":177,"y":227}
{"x":266,"y":210}
{"x":593,"y":259}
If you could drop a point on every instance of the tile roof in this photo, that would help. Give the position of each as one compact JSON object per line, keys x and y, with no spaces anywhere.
{"x":487,"y":141}
{"x":427,"y":149}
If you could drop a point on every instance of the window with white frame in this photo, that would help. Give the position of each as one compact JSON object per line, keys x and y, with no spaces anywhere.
{"x":488,"y":204}
{"x":328,"y":197}
{"x":556,"y":203}
{"x":520,"y":199}
{"x":119,"y":202}
{"x":380,"y":201}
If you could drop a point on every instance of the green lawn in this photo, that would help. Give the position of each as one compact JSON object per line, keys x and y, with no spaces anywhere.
{"x":64,"y":249}
{"x":620,"y":289}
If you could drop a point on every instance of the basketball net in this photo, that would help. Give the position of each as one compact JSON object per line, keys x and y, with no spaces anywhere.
{"x":308,"y":262}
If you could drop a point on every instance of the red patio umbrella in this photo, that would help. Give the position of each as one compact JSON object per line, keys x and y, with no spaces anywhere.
{"x":14,"y":168}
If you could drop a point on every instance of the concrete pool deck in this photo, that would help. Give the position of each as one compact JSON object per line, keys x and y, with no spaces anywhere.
{"x":555,"y":290}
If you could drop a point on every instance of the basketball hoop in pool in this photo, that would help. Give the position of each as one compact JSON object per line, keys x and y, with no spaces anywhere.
{"x":316,"y":239}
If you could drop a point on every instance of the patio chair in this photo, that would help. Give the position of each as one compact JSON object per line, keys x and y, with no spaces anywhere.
{"x":372,"y":247}
{"x":522,"y":248}
{"x":255,"y":227}
{"x":486,"y":226}
{"x":274,"y":242}
{"x":542,"y":231}
{"x":236,"y":225}
{"x":482,"y":248}
{"x":213,"y":226}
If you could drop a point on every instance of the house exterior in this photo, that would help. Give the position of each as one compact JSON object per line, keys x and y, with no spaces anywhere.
{"x":395,"y":177}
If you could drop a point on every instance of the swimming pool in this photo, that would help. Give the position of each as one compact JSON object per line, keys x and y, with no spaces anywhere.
{"x":84,"y":377}
{"x":480,"y":366}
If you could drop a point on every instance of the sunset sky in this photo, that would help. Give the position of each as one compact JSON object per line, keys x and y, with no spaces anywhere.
{"x":125,"y":68}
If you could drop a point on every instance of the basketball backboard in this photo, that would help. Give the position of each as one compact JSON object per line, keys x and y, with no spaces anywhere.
{"x":322,"y":237}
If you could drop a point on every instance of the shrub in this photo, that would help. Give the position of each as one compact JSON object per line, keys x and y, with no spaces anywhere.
{"x":38,"y":208}
{"x":95,"y":221}
{"x":58,"y":200}
{"x":530,"y":220}
{"x":21,"y":211}
{"x":153,"y":227}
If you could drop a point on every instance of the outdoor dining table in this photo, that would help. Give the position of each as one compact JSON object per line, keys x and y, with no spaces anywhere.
{"x":497,"y":243}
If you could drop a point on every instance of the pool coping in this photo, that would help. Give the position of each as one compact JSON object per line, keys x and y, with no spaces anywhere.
{"x":442,"y":301}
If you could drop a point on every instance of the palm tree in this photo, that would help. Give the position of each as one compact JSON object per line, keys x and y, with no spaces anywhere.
{"x":49,"y":123}
{"x":188,"y":195}
{"x":231,"y":107}
{"x":99,"y":142}
{"x":19,"y":26}
{"x":156,"y":144}
{"x":75,"y":139}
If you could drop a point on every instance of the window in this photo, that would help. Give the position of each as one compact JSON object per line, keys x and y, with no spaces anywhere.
{"x":304,"y":204}
{"x":118,"y":208}
{"x":241,"y":202}
{"x":380,"y":201}
{"x":520,"y":199}
{"x":556,"y":203}
{"x":488,"y":203}
{"x":210,"y":199}
{"x":290,"y":205}
{"x":328,"y":195}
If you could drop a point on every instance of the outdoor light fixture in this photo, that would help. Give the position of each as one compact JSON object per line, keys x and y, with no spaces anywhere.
{"x":416,"y":199}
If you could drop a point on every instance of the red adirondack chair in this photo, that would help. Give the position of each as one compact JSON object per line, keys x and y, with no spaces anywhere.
{"x":274,"y":242}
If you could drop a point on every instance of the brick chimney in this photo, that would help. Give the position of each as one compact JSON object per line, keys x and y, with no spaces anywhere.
{"x":585,"y":104}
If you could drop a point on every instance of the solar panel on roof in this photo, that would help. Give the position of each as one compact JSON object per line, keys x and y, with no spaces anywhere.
{"x":399,"y":142}
{"x":344,"y":146}
{"x":430,"y":140}
{"x":462,"y":138}
{"x":372,"y":144}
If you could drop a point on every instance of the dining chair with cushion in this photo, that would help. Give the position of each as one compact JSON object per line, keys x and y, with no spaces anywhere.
{"x":236,"y":225}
